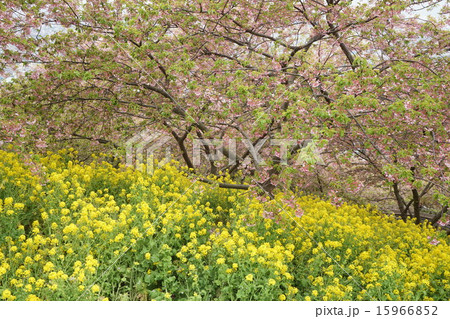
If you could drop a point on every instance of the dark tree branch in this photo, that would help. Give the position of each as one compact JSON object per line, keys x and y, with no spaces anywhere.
{"x":100,"y":140}
{"x":225,"y":185}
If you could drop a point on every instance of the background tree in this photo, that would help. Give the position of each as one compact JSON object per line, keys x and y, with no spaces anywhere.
{"x":365,"y":81}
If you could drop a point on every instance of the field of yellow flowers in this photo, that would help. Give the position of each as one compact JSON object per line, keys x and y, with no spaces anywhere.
{"x":75,"y":231}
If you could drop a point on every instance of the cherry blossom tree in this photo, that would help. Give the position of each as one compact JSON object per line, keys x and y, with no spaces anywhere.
{"x":362,"y":82}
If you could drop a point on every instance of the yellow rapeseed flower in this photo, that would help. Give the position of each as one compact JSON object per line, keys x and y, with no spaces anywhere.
{"x":6,"y":295}
{"x":8,"y":202}
{"x":95,"y":289}
{"x":32,"y":297}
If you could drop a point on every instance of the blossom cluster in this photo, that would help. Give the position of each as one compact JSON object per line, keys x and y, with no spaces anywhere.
{"x":88,"y":231}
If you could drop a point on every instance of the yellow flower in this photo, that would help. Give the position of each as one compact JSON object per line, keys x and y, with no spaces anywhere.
{"x":8,"y":201}
{"x":119,"y":237}
{"x":53,"y":287}
{"x":288,"y":275}
{"x":249,"y":277}
{"x":282,"y":297}
{"x":72,"y":228}
{"x":32,"y":297}
{"x":220,"y":261}
{"x":6,"y":295}
{"x":19,"y":206}
{"x":271,"y":282}
{"x":48,"y":266}
{"x":95,"y":289}
{"x":147,"y":256}
{"x":135,"y":232}
{"x":14,"y":282}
